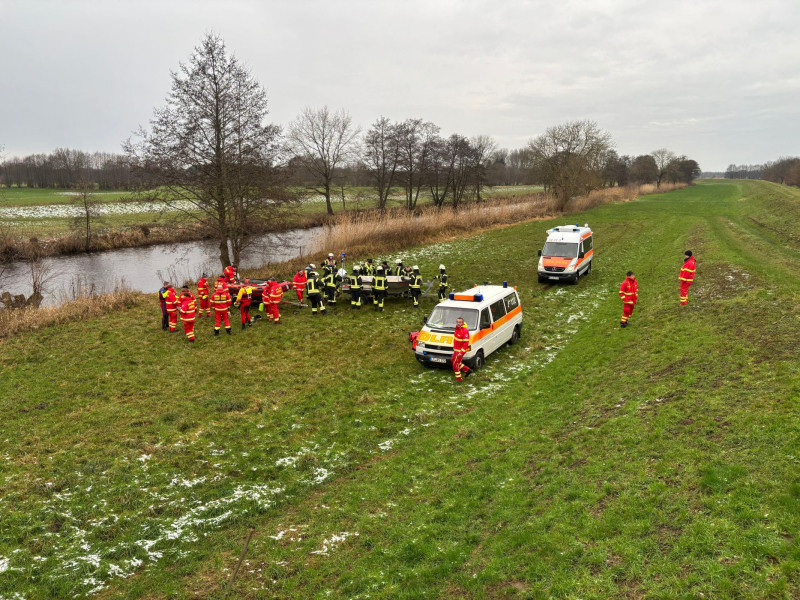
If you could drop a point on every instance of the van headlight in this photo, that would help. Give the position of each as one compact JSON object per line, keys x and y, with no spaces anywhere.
{"x":571,"y":265}
{"x":420,"y":345}
{"x":541,"y":263}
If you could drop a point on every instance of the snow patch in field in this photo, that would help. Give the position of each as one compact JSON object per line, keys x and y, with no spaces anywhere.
{"x":4,"y":562}
{"x":387,"y":445}
{"x":332,"y":542}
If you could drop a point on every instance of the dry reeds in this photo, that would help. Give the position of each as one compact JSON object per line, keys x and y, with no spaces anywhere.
{"x":17,"y":321}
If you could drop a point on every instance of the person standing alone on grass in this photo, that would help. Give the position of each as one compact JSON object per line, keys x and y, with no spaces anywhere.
{"x":629,"y":292}
{"x":686,"y":276}
{"x":460,"y":348}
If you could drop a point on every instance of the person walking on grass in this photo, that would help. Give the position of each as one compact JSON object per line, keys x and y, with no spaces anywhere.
{"x":460,"y":348}
{"x":686,"y":276}
{"x":629,"y":292}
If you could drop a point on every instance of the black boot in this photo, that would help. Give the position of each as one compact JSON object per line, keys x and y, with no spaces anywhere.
{"x":243,"y":326}
{"x":228,"y":331}
{"x":216,"y":332}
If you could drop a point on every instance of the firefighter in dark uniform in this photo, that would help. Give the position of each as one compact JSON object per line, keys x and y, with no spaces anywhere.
{"x":329,"y":283}
{"x":399,"y":269}
{"x":379,"y":289}
{"x":442,"y":277}
{"x":314,"y":293}
{"x":355,"y":288}
{"x":415,"y":285}
{"x":368,"y":268}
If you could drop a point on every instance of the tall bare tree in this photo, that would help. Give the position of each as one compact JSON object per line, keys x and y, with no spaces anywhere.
{"x":568,"y":158}
{"x":87,"y":202}
{"x":381,"y":156}
{"x":483,"y":150}
{"x":322,"y":141}
{"x":210,"y":153}
{"x":416,"y":139}
{"x":663,"y":158}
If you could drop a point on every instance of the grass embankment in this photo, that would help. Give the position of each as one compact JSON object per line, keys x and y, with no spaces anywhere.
{"x":586,"y":461}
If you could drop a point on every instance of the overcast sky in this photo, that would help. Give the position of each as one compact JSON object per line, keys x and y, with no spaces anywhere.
{"x":718,"y":81}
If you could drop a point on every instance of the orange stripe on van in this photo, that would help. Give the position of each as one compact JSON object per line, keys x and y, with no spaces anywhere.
{"x":479,"y":335}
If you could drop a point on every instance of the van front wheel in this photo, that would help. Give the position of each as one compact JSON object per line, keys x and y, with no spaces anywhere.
{"x":514,"y":336}
{"x":479,"y":361}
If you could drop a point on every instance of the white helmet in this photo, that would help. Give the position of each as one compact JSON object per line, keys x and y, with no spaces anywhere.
{"x":330,"y":254}
{"x":313,"y":266}
{"x":441,"y":267}
{"x":398,"y":262}
{"x":415,"y":268}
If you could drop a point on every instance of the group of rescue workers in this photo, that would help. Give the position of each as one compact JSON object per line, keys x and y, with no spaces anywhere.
{"x":319,"y":291}
{"x":323,"y":289}
{"x":629,"y":288}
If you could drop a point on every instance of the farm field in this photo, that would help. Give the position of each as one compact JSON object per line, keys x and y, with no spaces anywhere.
{"x":586,"y":461}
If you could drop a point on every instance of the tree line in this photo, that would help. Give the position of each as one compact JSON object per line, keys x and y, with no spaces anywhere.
{"x":785,"y":170}
{"x":65,"y":168}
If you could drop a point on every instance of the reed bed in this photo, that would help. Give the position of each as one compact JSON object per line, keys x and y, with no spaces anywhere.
{"x":14,"y":321}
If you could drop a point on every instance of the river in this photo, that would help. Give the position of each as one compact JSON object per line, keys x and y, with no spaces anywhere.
{"x":144,"y":269}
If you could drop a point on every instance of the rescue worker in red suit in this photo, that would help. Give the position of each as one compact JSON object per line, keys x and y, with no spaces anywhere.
{"x":629,"y":292}
{"x":231,"y":275}
{"x":460,"y":348}
{"x":275,"y":296}
{"x":686,"y":276}
{"x":244,"y":299}
{"x":299,"y":285}
{"x":187,"y":310}
{"x":202,"y":295}
{"x":221,"y":282}
{"x":171,"y":302}
{"x":221,"y":302}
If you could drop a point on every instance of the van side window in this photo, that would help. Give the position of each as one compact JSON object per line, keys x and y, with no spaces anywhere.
{"x":498,"y":310}
{"x":486,"y":322}
{"x":587,"y":244}
{"x":511,"y":302}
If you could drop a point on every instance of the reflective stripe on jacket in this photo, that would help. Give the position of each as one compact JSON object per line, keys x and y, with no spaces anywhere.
{"x":461,"y":339}
{"x":379,"y":283}
{"x":629,"y":291}
{"x":688,"y":270}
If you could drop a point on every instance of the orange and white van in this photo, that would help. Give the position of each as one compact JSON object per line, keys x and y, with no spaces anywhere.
{"x":493,"y":315}
{"x":567,"y":254}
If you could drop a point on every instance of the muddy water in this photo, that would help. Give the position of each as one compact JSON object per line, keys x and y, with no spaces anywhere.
{"x":144,"y":269}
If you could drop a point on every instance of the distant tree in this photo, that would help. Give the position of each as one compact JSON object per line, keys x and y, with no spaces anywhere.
{"x":86,"y":201}
{"x":685,"y":170}
{"x":416,"y":139}
{"x":382,"y":156}
{"x":778,"y":171}
{"x":322,"y":141}
{"x":615,"y":169}
{"x":483,"y":148}
{"x":663,"y":158}
{"x":643,"y":169}
{"x":793,"y":175}
{"x":568,"y":158}
{"x":210,"y":153}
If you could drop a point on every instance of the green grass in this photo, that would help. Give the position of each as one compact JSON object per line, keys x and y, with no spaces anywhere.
{"x":24,"y":196}
{"x":585,"y":462}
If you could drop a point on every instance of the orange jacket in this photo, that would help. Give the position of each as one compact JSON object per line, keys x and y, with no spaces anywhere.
{"x":629,"y":290}
{"x":221,"y":300}
{"x":299,"y":281}
{"x":688,"y":269}
{"x":187,"y":308}
{"x":461,"y":339}
{"x":230,"y":274}
{"x":202,"y":288}
{"x":171,"y":300}
{"x":275,"y":293}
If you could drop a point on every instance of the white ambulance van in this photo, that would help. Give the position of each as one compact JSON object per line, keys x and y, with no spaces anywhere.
{"x":493,"y":315}
{"x":567,"y":254}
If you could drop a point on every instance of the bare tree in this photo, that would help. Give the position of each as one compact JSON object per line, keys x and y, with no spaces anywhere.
{"x":663,"y":158}
{"x":86,"y":201}
{"x":381,"y":155}
{"x":483,"y":150}
{"x":415,"y":139}
{"x":210,"y":154}
{"x":568,"y":158}
{"x":321,"y":141}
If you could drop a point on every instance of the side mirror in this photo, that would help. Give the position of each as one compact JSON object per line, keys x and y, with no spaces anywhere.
{"x":425,"y":320}
{"x":540,"y":252}
{"x":581,"y":255}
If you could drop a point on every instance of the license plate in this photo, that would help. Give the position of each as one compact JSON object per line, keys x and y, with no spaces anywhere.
{"x":551,"y":277}
{"x":436,"y":359}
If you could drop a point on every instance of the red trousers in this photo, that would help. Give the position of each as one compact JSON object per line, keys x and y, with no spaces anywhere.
{"x":245,"y":308}
{"x":274,"y":312}
{"x":219,"y":316}
{"x":685,"y":285}
{"x":173,"y":319}
{"x":205,"y":305}
{"x":299,"y":295}
{"x":627,"y":311}
{"x":458,"y":366}
{"x":188,"y":327}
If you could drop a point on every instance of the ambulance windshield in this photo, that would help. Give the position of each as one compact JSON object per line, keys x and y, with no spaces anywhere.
{"x":444,"y":317}
{"x":562,"y":249}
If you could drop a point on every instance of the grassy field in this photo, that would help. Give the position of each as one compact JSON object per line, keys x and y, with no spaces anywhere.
{"x":584,"y":462}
